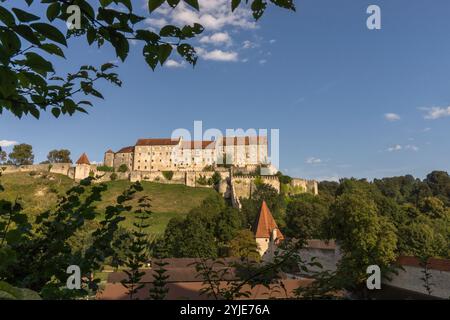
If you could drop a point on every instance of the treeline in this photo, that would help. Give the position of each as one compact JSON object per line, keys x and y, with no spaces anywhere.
{"x":22,"y":154}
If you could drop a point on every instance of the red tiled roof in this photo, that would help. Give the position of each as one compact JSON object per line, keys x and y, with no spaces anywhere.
{"x":433,"y":263}
{"x":83,"y":159}
{"x":266,"y":224}
{"x":191,"y":290}
{"x":126,"y":150}
{"x":244,"y":140}
{"x":157,"y":142}
{"x":109,"y":151}
{"x":198,"y":145}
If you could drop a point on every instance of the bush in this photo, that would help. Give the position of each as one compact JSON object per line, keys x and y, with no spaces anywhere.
{"x":105,"y":169}
{"x":123,"y":168}
{"x":216,"y":178}
{"x":168,"y":175}
{"x":202,"y":180}
{"x":113,"y":176}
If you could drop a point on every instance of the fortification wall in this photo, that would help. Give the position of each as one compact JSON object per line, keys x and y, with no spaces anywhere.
{"x":61,"y":168}
{"x":311,"y":186}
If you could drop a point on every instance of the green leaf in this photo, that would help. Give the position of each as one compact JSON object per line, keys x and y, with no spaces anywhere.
{"x":154,"y":4}
{"x":49,"y":32}
{"x":170,"y":31}
{"x":52,"y":49}
{"x":121,"y":44}
{"x":258,"y":7}
{"x":105,"y":3}
{"x":37,"y":63}
{"x":53,"y":11}
{"x":24,"y":16}
{"x":173,"y":3}
{"x":235,"y":4}
{"x":193,"y":4}
{"x":150,"y":53}
{"x":27,"y":33}
{"x":188,"y":53}
{"x":6,"y":16}
{"x":164,"y":52}
{"x":8,"y":81}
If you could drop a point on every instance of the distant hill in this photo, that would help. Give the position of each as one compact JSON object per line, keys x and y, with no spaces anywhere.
{"x":39,"y":192}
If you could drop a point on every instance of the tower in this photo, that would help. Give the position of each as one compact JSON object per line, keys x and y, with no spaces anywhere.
{"x":82,"y":168}
{"x":109,"y":158}
{"x":267,"y":233}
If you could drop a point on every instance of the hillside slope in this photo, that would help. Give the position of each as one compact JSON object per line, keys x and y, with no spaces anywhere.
{"x":39,"y":192}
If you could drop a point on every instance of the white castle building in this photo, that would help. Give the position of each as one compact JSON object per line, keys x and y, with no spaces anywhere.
{"x":181,"y":155}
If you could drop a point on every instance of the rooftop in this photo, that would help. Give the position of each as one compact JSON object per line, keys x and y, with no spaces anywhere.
{"x":266,"y":224}
{"x":83,"y":159}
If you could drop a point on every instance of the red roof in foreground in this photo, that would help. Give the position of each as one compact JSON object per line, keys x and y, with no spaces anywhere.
{"x":126,"y":150}
{"x":266,"y":224}
{"x":432,"y":263}
{"x":83,"y":159}
{"x":157,"y":142}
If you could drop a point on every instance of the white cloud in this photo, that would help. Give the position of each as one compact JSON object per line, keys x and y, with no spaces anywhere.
{"x":7,"y":143}
{"x":399,"y":147}
{"x":434,"y":113}
{"x":396,"y":147}
{"x":391,"y":117}
{"x":156,"y":22}
{"x":213,"y":15}
{"x":174,"y":64}
{"x":262,"y":61}
{"x":217,"y":55}
{"x":217,"y":38}
{"x":247,"y":44}
{"x":426,"y":129}
{"x":313,"y":160}
{"x":272,"y":41}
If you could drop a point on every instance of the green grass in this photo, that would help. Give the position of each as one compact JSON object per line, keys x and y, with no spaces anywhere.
{"x":38,"y":194}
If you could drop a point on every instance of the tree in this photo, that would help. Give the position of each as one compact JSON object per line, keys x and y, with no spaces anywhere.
{"x":244,"y":246}
{"x":59,"y":156}
{"x":28,"y":83}
{"x":123,"y":168}
{"x":22,"y":154}
{"x":3,"y":155}
{"x":275,"y":202}
{"x":365,"y":236}
{"x":305,"y":216}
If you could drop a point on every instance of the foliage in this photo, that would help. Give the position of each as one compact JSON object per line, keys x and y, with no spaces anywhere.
{"x":244,"y":246}
{"x":275,"y":202}
{"x":202,"y":180}
{"x":59,"y":156}
{"x":205,"y":232}
{"x":283,"y":178}
{"x":113,"y":176}
{"x":305,"y":216}
{"x":8,"y":292}
{"x":216,"y":178}
{"x":168,"y":175}
{"x":3,"y":155}
{"x":28,"y":83}
{"x":137,"y":255}
{"x":365,"y":236}
{"x":22,"y":154}
{"x":123,"y":168}
{"x":105,"y":169}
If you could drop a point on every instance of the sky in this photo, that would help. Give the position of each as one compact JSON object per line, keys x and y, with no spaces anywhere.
{"x":348,"y":101}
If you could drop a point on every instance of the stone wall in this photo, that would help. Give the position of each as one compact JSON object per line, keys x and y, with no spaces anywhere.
{"x":61,"y":168}
{"x":244,"y":186}
{"x":304,"y":185}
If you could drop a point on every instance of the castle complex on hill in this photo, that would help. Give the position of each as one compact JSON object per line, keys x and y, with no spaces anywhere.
{"x":180,"y":155}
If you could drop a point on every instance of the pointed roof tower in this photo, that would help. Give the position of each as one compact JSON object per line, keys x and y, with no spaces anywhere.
{"x":109,"y":151}
{"x":265,"y":225}
{"x":83,"y":159}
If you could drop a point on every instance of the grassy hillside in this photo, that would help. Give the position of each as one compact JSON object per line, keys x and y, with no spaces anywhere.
{"x":38,"y":193}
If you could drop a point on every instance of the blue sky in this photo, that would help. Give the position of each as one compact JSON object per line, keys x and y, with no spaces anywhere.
{"x":347,"y":101}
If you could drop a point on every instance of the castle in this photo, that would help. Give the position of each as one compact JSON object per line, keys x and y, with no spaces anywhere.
{"x":179,"y":155}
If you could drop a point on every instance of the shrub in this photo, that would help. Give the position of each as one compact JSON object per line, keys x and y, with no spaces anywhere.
{"x":32,"y":173}
{"x":168,"y":175}
{"x":113,"y":176}
{"x":208,"y":168}
{"x":202,"y":180}
{"x":105,"y":169}
{"x":216,"y":178}
{"x":123,"y":168}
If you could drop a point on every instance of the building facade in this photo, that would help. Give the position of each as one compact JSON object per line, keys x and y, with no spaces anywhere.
{"x":180,"y":155}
